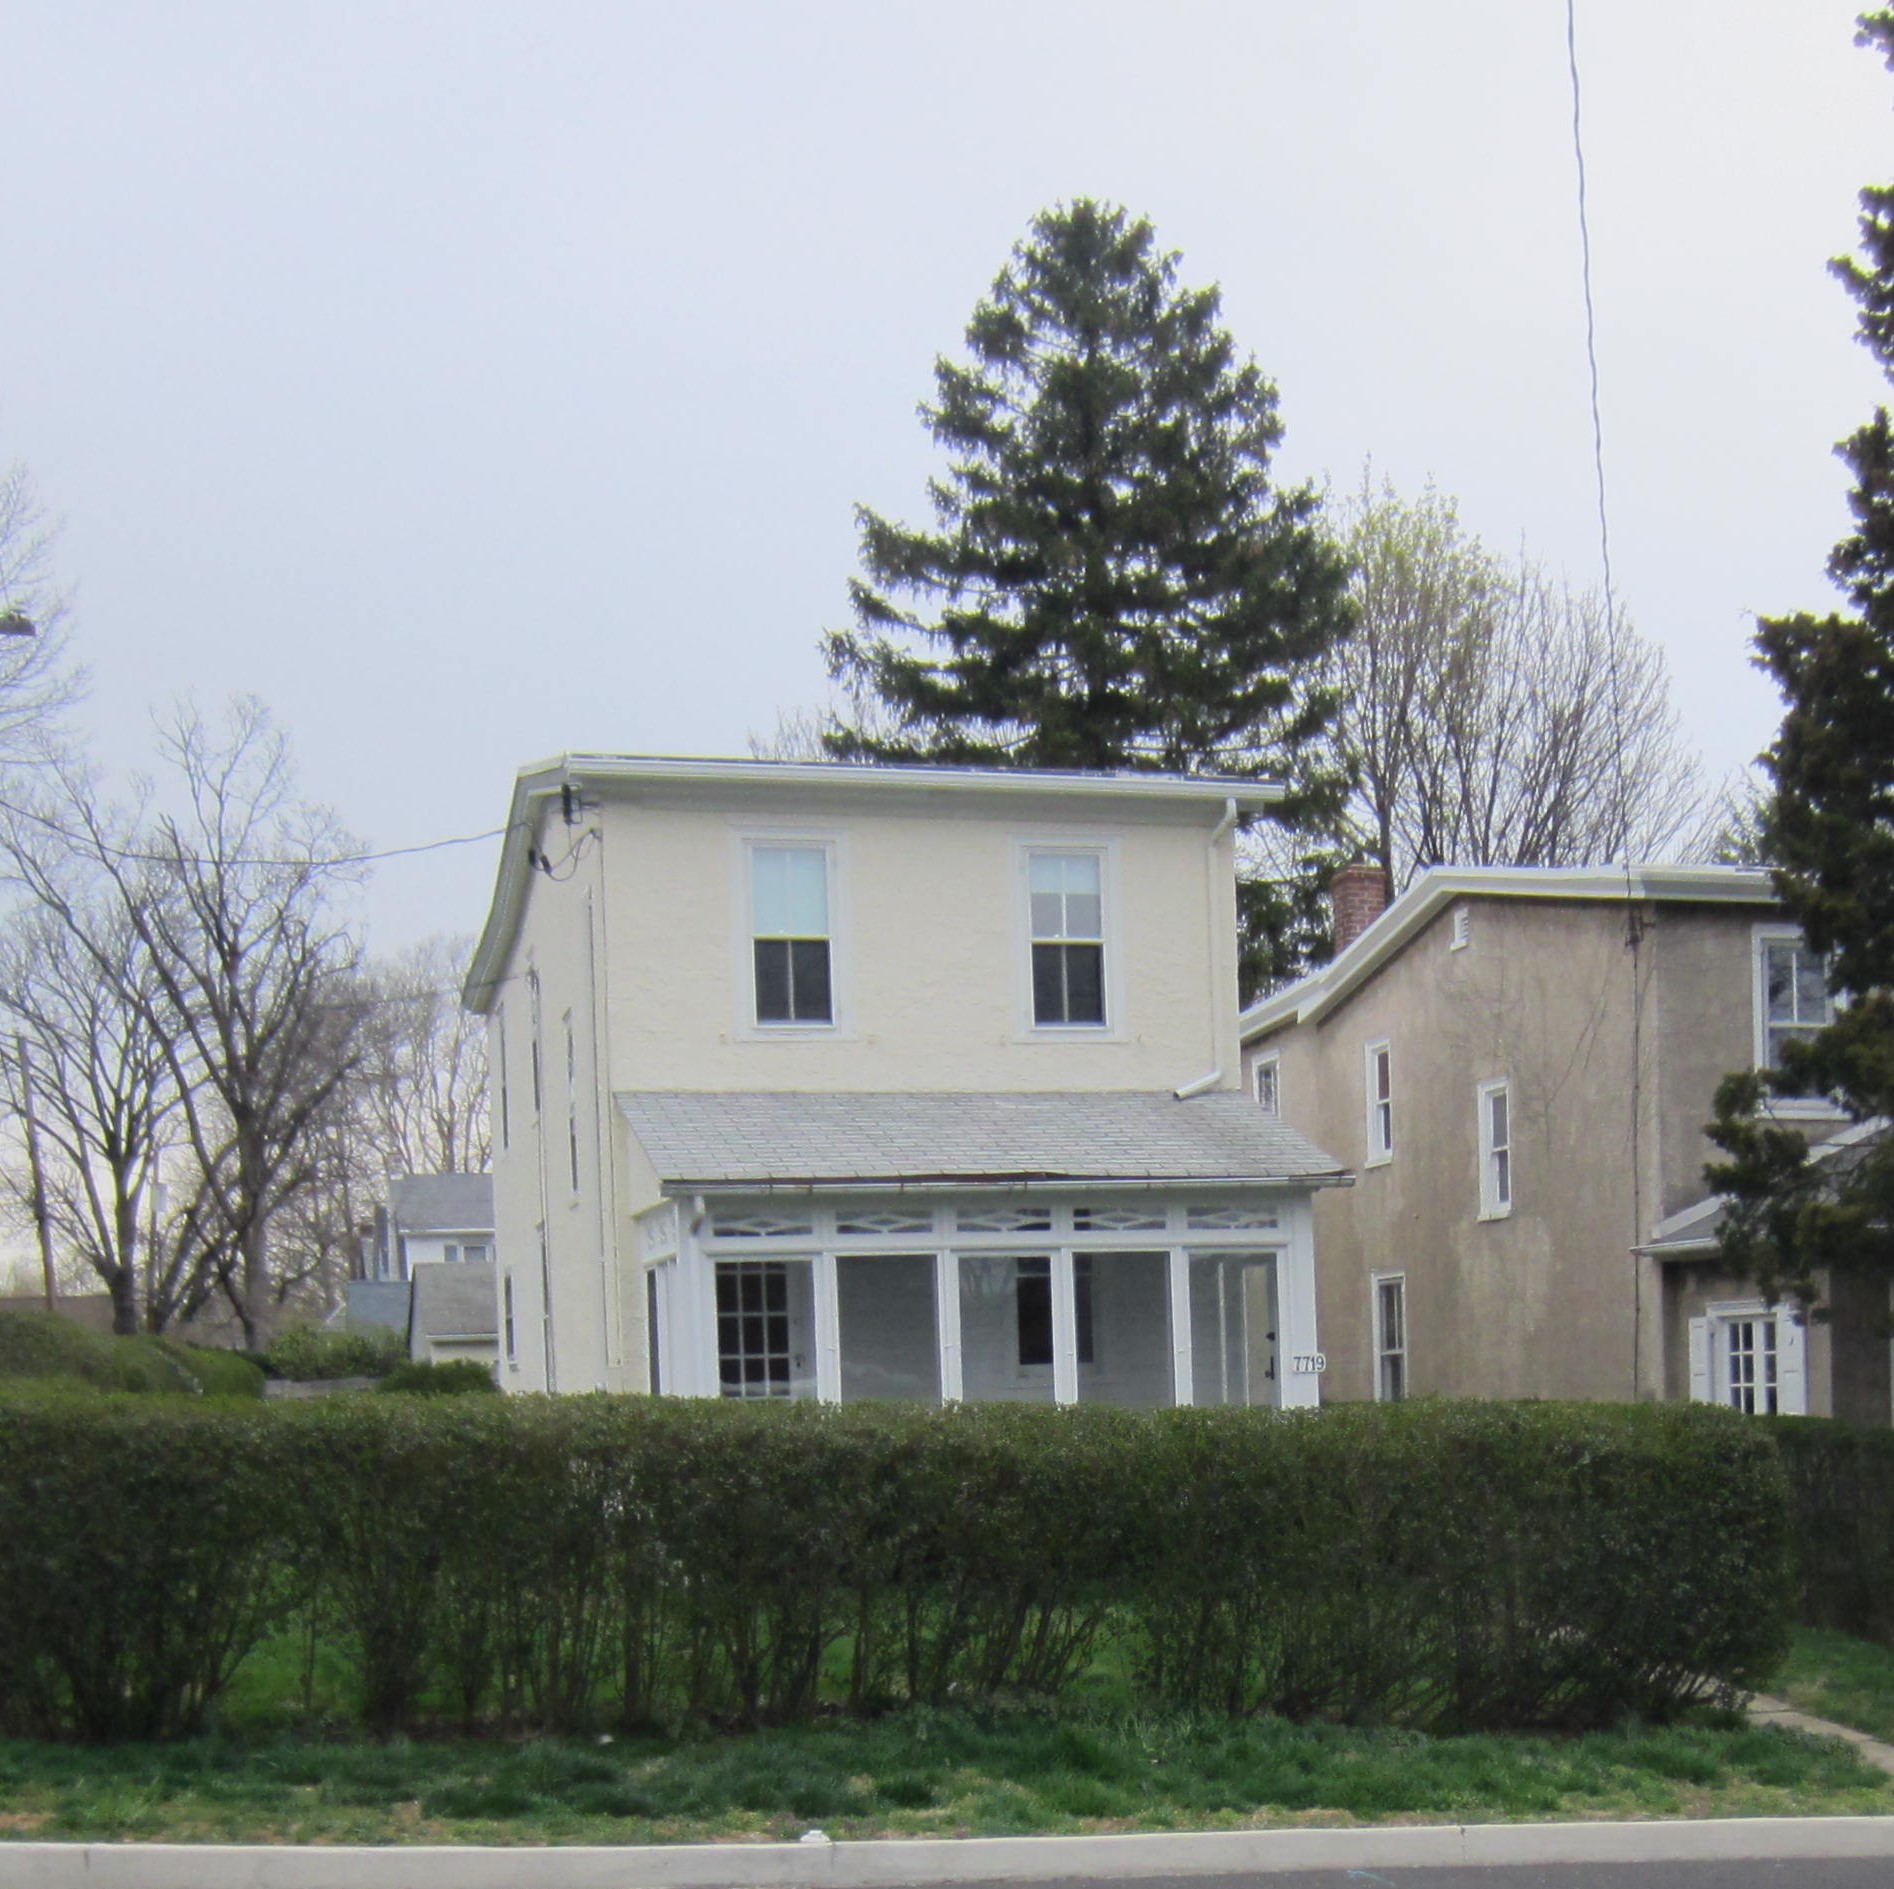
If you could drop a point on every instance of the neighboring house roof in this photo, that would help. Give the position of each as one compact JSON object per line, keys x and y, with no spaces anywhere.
{"x":1693,"y":1232}
{"x":1434,"y":890}
{"x":846,"y":784}
{"x":457,"y":1300}
{"x":442,"y":1203}
{"x":701,"y":1141}
{"x":381,"y":1302}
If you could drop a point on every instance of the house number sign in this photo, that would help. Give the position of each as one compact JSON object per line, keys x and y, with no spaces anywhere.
{"x":1308,"y":1363}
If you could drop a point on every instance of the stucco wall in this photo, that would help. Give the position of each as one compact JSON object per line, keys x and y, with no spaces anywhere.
{"x":1539,"y":1302}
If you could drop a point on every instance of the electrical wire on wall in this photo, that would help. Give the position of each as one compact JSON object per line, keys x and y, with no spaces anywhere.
{"x":1633,"y":918}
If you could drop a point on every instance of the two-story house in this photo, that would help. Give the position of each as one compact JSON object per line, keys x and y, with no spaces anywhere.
{"x":843,"y":1082}
{"x":1518,"y":1064}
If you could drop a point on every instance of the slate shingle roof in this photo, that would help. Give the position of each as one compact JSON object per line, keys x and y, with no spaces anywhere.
{"x":457,"y":1299}
{"x":442,"y":1203}
{"x":788,"y":1139}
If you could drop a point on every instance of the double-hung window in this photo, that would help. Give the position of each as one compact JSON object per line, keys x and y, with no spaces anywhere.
{"x":1268,"y":1079}
{"x":790,"y":936}
{"x":1390,"y":1337}
{"x":1066,"y":896}
{"x":1380,"y":1074}
{"x":1751,"y":1357}
{"x":1792,"y":995}
{"x":1494,"y":1101}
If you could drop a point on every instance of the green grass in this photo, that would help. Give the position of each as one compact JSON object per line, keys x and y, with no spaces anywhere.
{"x":1836,"y":1677}
{"x":912,"y":1774}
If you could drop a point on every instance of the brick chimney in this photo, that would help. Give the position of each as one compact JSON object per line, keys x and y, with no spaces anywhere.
{"x":1359,"y":895}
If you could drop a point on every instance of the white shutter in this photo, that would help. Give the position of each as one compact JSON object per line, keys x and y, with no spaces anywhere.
{"x":1792,"y":1371}
{"x":1700,"y":1390}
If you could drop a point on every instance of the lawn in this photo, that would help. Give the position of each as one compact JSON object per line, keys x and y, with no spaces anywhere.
{"x":915,"y":1773}
{"x":1835,"y":1677}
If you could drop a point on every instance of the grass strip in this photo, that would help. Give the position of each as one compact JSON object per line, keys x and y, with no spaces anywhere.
{"x":1835,"y":1676}
{"x":915,"y":1773}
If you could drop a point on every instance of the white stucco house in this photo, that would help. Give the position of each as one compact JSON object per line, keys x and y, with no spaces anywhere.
{"x":841,"y":1082}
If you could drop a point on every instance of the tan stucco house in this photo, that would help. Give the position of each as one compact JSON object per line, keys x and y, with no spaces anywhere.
{"x":1518,"y":1065}
{"x":844,"y":1082}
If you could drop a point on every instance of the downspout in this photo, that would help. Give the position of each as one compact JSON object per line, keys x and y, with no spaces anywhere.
{"x":1203,"y":1084}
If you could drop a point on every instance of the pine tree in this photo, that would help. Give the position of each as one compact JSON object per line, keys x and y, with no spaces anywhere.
{"x":1829,"y":831}
{"x":1112,"y":580}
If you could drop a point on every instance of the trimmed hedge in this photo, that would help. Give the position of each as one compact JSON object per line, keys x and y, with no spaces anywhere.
{"x":449,"y":1377}
{"x":306,"y":1353}
{"x":1841,"y":1490}
{"x":576,"y":1561}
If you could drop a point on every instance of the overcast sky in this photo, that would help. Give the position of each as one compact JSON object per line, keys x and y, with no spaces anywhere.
{"x":474,"y":382}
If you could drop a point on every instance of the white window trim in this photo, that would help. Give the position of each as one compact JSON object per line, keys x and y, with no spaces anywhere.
{"x":1105,"y":849}
{"x":748,"y":841}
{"x":1491,"y":1206}
{"x":1791,"y":1107}
{"x":1377,"y":1153}
{"x":1376,"y":1280}
{"x":1272,"y":1064}
{"x":1709,"y":1360}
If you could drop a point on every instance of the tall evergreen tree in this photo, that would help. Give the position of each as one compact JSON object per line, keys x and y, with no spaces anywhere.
{"x":1829,"y":832}
{"x":1112,"y":580}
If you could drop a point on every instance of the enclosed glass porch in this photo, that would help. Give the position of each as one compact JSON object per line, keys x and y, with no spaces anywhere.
{"x":1143,"y":1303}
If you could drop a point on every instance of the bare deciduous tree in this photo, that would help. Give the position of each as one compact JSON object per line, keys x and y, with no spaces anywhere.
{"x":37,"y":681}
{"x":215,"y":923}
{"x":1495,"y":717}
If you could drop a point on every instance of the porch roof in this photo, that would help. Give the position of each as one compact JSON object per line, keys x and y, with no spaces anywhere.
{"x":757,"y":1139}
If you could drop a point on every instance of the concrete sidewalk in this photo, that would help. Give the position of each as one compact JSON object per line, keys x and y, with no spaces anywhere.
{"x":885,"y":1865}
{"x":1764,"y":1710}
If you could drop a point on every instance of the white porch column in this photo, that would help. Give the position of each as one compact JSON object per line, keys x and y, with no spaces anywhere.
{"x":1183,"y":1389}
{"x":1065,"y":1330}
{"x":947,"y":1324}
{"x":697,"y":1341}
{"x":1296,"y":1338}
{"x":828,"y":1331}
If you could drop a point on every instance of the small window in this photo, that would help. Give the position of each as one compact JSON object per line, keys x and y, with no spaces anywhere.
{"x":532,"y":991}
{"x":506,"y":1319}
{"x":1066,"y":894}
{"x":1390,"y":1337}
{"x":1269,"y":1086}
{"x":506,"y":1106}
{"x":790,"y":937}
{"x":572,"y":1105}
{"x":1494,"y":1101}
{"x":473,"y":1255}
{"x":1792,"y":996}
{"x":1380,"y":1061}
{"x":1461,"y":934}
{"x":1032,"y":1286}
{"x":450,"y":1252}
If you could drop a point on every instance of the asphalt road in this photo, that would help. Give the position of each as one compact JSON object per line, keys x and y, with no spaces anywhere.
{"x":1866,"y":1872}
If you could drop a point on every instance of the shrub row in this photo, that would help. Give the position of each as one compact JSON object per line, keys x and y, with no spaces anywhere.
{"x":1841,"y":1488}
{"x":578,"y":1561}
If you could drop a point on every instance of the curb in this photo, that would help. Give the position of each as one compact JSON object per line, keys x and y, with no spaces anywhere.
{"x":922,"y":1861}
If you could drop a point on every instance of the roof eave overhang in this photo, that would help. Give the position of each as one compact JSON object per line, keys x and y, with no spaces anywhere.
{"x":1320,"y":992}
{"x":679,"y":1189}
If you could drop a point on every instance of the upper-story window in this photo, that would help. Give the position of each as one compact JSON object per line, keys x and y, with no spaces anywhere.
{"x":1268,"y":1079}
{"x":790,"y":934}
{"x":1494,"y":1100}
{"x":1792,"y":997}
{"x":1380,"y":1073}
{"x":1066,"y":895}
